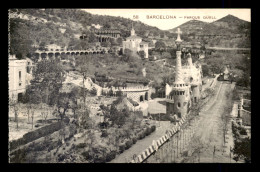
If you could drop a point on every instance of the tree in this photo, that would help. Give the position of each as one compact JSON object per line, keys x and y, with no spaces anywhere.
{"x":160,"y":45}
{"x":205,"y":70}
{"x":93,"y":91}
{"x":92,"y":38}
{"x":142,"y":54}
{"x":47,"y":81}
{"x":16,"y":107}
{"x":32,"y":116}
{"x":242,"y":149}
{"x":107,"y":26}
{"x":105,"y":44}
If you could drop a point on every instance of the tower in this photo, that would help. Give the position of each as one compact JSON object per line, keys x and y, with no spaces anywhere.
{"x":195,"y":80}
{"x":180,"y":91}
{"x":132,"y":31}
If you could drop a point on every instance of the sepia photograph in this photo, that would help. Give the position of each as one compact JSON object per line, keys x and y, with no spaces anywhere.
{"x":129,"y":85}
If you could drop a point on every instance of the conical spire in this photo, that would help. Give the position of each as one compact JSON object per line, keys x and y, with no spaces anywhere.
{"x":132,"y":31}
{"x":189,"y":59}
{"x":178,"y":67}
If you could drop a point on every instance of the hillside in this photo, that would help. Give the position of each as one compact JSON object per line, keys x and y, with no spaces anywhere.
{"x":231,"y":22}
{"x":40,"y":27}
{"x":191,"y":26}
{"x":228,"y":31}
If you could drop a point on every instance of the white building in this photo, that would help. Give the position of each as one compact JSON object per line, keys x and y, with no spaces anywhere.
{"x":19,"y":76}
{"x":135,"y":44}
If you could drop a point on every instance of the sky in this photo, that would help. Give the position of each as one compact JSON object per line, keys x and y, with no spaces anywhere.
{"x":172,"y":17}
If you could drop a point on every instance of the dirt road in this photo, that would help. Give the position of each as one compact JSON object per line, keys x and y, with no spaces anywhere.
{"x":209,"y":133}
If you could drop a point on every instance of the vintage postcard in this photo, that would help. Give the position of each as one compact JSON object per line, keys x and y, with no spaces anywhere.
{"x":129,"y":85}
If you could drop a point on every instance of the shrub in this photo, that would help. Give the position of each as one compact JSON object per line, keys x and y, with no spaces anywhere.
{"x":121,"y":148}
{"x":85,"y":155}
{"x":104,"y":133}
{"x":148,"y":131}
{"x":139,"y":136}
{"x":134,"y":140}
{"x":61,"y":157}
{"x":243,"y":131}
{"x":110,"y":156}
{"x":99,"y":159}
{"x":128,"y":144}
{"x":153,"y":128}
{"x":81,"y":145}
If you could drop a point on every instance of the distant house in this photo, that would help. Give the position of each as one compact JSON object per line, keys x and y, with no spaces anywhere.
{"x":19,"y":74}
{"x":135,"y":44}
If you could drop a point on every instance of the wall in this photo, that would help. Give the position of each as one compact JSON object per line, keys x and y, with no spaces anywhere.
{"x":14,"y":67}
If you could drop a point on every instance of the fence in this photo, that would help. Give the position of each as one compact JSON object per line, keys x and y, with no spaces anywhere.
{"x":164,"y":140}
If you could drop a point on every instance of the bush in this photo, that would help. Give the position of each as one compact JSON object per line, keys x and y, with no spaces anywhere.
{"x":99,"y":159}
{"x":104,"y":133}
{"x":153,"y":128}
{"x":61,"y":157}
{"x":81,"y":145}
{"x":128,"y":144}
{"x":110,"y":156}
{"x":134,"y":140}
{"x":154,"y":95}
{"x":121,"y":148}
{"x":148,"y":131}
{"x":243,"y":131}
{"x":85,"y":155}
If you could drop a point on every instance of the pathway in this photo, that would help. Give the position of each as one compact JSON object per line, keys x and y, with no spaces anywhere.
{"x":209,"y":131}
{"x":141,"y":145}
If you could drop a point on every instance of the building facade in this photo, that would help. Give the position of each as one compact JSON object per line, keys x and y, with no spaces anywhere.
{"x":186,"y":88}
{"x":135,"y":44}
{"x":19,"y":76}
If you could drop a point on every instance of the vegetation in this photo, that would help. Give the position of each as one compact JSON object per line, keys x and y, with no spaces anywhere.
{"x":242,"y":149}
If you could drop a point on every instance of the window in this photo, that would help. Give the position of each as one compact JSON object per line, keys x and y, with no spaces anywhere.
{"x":20,"y":77}
{"x":179,"y":104}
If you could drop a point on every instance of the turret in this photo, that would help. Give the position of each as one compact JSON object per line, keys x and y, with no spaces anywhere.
{"x":132,"y":31}
{"x":189,"y":59}
{"x":180,"y":91}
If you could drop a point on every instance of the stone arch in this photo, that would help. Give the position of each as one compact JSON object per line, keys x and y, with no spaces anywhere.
{"x":36,"y":55}
{"x":81,"y":53}
{"x":43,"y":55}
{"x":57,"y":54}
{"x":72,"y":53}
{"x":141,"y":98}
{"x":179,"y":104}
{"x":63,"y":56}
{"x":50,"y":55}
{"x":146,"y":96}
{"x":68,"y":53}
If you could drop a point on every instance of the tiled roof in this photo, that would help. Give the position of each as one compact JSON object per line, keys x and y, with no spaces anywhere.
{"x":133,"y":37}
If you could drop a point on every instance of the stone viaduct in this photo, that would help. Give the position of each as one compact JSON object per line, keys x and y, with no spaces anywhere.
{"x":39,"y":55}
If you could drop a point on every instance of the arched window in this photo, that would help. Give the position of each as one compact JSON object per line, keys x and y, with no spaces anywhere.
{"x":141,"y":99}
{"x":146,"y":96}
{"x":179,"y":104}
